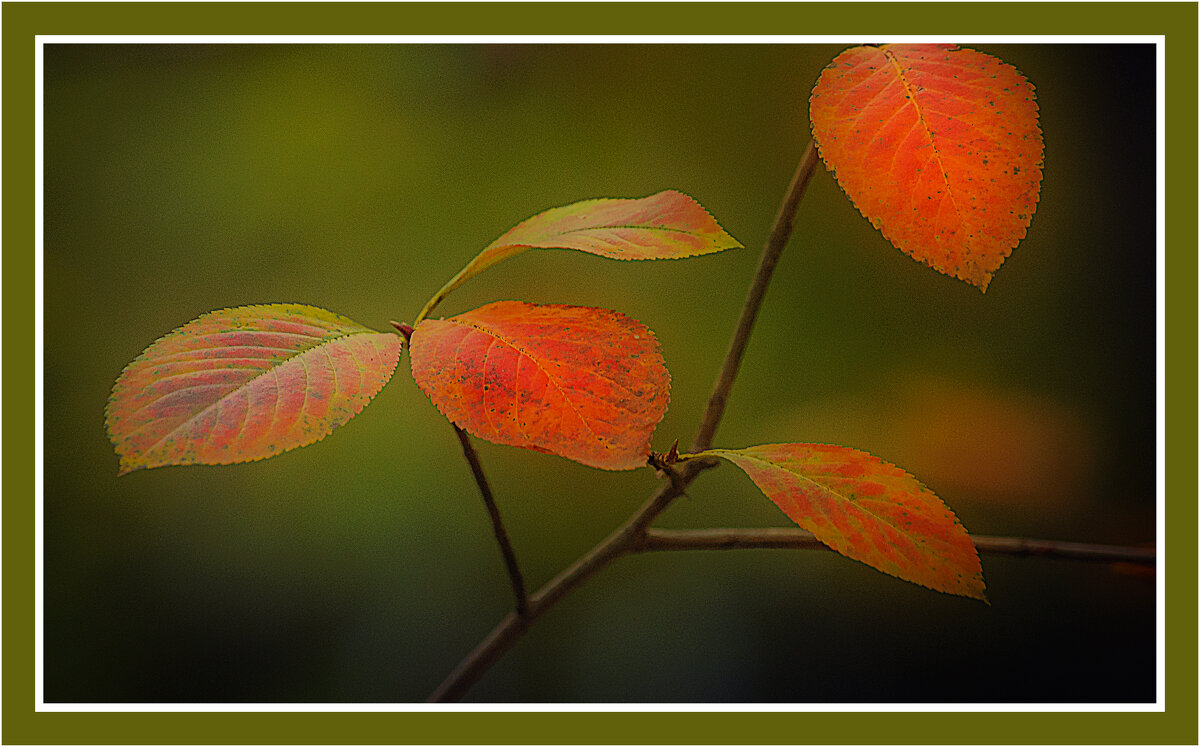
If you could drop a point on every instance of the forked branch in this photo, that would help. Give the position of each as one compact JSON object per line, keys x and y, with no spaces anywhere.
{"x":630,"y":534}
{"x":513,"y":626}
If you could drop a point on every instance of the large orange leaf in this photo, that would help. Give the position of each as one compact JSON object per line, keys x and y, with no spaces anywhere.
{"x":939,"y":147}
{"x":866,"y":509}
{"x":666,"y":225}
{"x":584,"y":383}
{"x":242,"y":384}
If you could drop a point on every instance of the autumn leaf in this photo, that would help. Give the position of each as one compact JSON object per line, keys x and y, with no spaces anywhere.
{"x":666,"y":225}
{"x":866,"y":509}
{"x":583,"y":383}
{"x":939,"y":147}
{"x":242,"y":384}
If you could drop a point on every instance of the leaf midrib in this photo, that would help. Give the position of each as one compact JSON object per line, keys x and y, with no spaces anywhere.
{"x":537,"y":242}
{"x":937,"y":153}
{"x":667,"y":229}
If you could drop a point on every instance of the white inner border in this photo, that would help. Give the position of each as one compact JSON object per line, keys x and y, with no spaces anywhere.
{"x":1160,"y":380}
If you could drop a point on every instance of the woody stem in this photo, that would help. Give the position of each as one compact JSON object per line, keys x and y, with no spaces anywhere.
{"x":631,"y":534}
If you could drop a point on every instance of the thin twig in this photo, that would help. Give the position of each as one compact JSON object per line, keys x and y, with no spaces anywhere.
{"x":781,"y":231}
{"x":627,"y":537}
{"x":1026,"y":547}
{"x":512,"y":627}
{"x":510,"y":558}
{"x":658,"y":540}
{"x":489,"y":501}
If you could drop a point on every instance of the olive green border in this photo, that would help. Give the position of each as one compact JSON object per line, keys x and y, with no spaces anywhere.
{"x":22,"y":21}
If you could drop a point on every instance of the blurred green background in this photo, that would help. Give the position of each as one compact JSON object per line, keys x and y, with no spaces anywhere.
{"x":181,"y":179}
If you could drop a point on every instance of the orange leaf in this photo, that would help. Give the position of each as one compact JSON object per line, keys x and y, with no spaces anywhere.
{"x":582,"y":383}
{"x":242,"y":384}
{"x":666,"y":225}
{"x":866,"y":509}
{"x":939,"y":147}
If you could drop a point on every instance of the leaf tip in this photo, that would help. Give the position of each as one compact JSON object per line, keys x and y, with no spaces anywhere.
{"x":979,"y":593}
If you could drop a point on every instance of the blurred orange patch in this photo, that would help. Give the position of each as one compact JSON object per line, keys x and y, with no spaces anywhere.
{"x":968,"y":442}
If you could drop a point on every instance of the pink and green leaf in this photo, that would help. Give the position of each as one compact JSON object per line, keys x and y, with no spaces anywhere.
{"x":866,"y":509}
{"x":242,"y":384}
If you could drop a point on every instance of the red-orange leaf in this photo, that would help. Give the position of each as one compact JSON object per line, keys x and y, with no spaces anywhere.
{"x":666,"y":225}
{"x":582,"y":383}
{"x":242,"y":384}
{"x":939,"y":147}
{"x":866,"y":509}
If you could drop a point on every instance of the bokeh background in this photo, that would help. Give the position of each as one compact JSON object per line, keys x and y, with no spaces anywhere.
{"x":181,"y":179}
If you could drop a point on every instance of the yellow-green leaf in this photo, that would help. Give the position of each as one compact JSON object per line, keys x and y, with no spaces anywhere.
{"x":666,"y":225}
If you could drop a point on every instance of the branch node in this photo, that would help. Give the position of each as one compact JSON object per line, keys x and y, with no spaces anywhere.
{"x":404,"y":329}
{"x":663,"y":462}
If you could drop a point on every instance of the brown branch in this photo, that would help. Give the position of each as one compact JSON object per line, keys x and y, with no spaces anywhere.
{"x":1025,"y":547}
{"x":628,"y":536}
{"x":510,"y":558}
{"x":658,"y":540}
{"x":512,"y":627}
{"x":781,"y":231}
